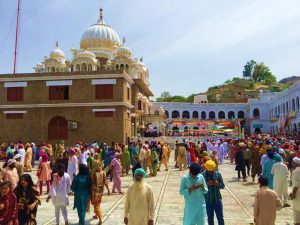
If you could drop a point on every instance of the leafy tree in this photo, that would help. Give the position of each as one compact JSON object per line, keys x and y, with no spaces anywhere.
{"x":178,"y":98}
{"x":262,"y":73}
{"x":228,"y":81}
{"x":249,"y":69}
{"x":190,"y":98}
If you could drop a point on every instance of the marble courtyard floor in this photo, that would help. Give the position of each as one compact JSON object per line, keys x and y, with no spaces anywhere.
{"x":238,"y":198}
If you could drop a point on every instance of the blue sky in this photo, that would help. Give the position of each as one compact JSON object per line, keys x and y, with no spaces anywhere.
{"x":188,"y":46}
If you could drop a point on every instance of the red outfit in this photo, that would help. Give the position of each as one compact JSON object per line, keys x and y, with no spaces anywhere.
{"x":9,"y":214}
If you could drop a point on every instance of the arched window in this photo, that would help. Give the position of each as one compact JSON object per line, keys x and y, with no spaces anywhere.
{"x":293,"y":105}
{"x":186,"y":115}
{"x":175,"y":114}
{"x":167,"y":113}
{"x":203,"y":115}
{"x":122,"y":66}
{"x":221,"y":115}
{"x":278,"y":110}
{"x":297,"y":103}
{"x":212,"y":115}
{"x":276,"y":114}
{"x":195,"y":115}
{"x":58,"y":128}
{"x":287,"y":107}
{"x":175,"y":129}
{"x":231,"y":115}
{"x":90,"y":68}
{"x":83,"y":67}
{"x":256,"y":113}
{"x":117,"y":67}
{"x":52,"y":69}
{"x":241,"y":115}
{"x":77,"y":67}
{"x":283,"y":108}
{"x":139,"y":105}
{"x":126,"y":67}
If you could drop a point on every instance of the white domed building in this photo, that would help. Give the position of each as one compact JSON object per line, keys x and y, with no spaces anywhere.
{"x":100,"y":93}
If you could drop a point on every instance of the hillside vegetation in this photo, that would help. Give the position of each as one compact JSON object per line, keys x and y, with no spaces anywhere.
{"x":256,"y":77}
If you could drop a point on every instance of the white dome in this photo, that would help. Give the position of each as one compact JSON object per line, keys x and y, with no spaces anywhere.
{"x":99,"y":36}
{"x":57,"y":54}
{"x":124,"y":50}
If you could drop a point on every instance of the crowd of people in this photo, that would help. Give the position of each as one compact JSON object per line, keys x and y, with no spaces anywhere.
{"x":85,"y":170}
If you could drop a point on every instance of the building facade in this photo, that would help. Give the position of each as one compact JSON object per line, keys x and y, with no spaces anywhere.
{"x":273,"y":112}
{"x":101,"y":94}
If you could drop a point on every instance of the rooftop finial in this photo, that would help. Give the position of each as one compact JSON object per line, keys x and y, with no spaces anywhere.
{"x":56,"y":44}
{"x":124,"y":40}
{"x":101,"y":15}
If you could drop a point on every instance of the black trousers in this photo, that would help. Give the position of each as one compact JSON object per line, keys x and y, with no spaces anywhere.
{"x":248,"y":166}
{"x":243,"y":173}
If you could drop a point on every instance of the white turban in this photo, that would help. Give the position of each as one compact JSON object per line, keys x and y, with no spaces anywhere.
{"x":296,"y":160}
{"x":281,"y":151}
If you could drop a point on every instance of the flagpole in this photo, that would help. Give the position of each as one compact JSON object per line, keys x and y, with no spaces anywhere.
{"x":16,"y":40}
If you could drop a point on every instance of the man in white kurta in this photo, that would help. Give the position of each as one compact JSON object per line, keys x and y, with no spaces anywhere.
{"x":295,"y":195}
{"x":280,"y":180}
{"x":60,"y":188}
{"x":139,"y":204}
{"x":72,"y":164}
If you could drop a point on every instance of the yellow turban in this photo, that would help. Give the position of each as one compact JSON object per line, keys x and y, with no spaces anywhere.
{"x":210,"y":165}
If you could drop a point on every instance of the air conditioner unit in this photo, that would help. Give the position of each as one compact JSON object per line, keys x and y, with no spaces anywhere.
{"x":72,"y":125}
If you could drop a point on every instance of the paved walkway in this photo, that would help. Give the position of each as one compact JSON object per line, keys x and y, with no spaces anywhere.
{"x":238,"y":198}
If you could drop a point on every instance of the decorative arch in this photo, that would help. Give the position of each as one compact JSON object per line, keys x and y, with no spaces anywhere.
{"x":286,"y":106}
{"x":77,"y":67}
{"x":203,"y":115}
{"x":52,"y":69}
{"x":231,"y":115}
{"x":297,"y":103}
{"x":90,"y":67}
{"x":175,"y":114}
{"x":241,"y":114}
{"x":83,"y":67}
{"x":185,"y":114}
{"x":58,"y":128}
{"x":195,"y":115}
{"x":117,"y":67}
{"x":221,"y":115}
{"x":212,"y":115}
{"x":283,"y":108}
{"x":256,"y":113}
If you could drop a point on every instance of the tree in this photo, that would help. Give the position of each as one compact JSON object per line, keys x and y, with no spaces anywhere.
{"x":248,"y":69}
{"x":228,"y":81}
{"x":263,"y":73}
{"x":165,"y":94}
{"x":178,"y":98}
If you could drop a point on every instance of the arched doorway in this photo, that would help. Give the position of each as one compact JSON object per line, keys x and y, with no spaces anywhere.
{"x":175,"y":129}
{"x":221,"y":115}
{"x":195,"y":115}
{"x":175,"y":114}
{"x":58,"y":128}
{"x":231,"y":115}
{"x":167,"y":113}
{"x":203,"y":115}
{"x":256,"y":113}
{"x":186,"y":115}
{"x":241,"y":115}
{"x":212,"y":115}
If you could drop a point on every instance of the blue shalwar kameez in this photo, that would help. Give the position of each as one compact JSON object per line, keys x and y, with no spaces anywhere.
{"x":194,"y":207}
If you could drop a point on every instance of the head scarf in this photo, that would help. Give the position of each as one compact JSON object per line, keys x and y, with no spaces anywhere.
{"x":195,"y":169}
{"x":270,"y":154}
{"x":71,"y":151}
{"x":11,"y":161}
{"x":140,"y":171}
{"x":210,"y":165}
{"x":44,"y":158}
{"x":277,"y":158}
